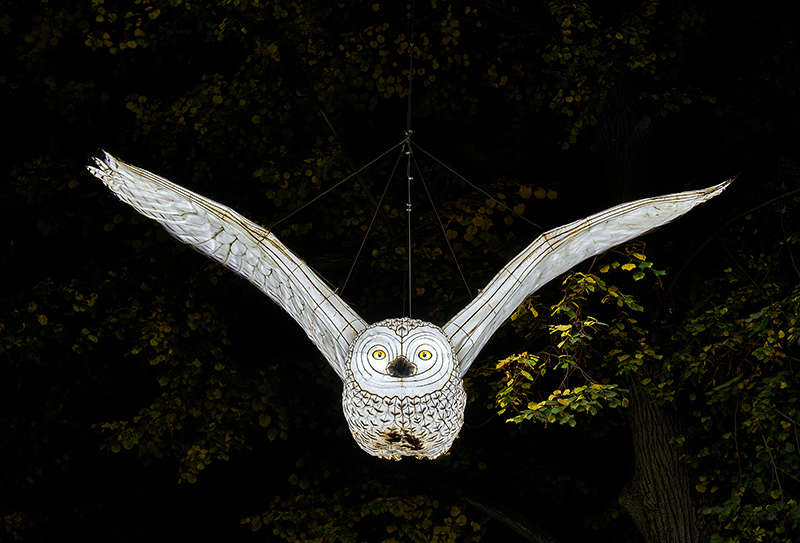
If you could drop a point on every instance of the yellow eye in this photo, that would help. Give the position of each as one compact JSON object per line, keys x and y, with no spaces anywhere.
{"x":379,"y":354}
{"x":425,"y":355}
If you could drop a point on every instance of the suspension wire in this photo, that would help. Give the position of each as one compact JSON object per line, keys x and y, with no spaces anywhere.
{"x":408,"y":212}
{"x":371,"y":222}
{"x":408,"y":152}
{"x":476,"y":187}
{"x":347,"y":178}
{"x":410,"y":68}
{"x":444,"y":231}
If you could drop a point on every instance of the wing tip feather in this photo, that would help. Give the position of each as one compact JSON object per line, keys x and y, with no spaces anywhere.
{"x":106,"y":168}
{"x":103,"y":160}
{"x":716,"y":190}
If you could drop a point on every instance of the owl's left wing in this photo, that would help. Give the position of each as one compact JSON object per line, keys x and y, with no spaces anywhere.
{"x":555,"y":252}
{"x":243,"y":246}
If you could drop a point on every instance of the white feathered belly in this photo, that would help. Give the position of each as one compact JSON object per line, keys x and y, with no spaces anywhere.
{"x":392,"y":427}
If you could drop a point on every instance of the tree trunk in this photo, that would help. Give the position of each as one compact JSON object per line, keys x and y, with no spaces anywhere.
{"x":659,"y":497}
{"x":622,"y":137}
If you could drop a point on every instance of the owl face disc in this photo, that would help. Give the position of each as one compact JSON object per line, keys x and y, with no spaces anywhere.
{"x":401,"y":357}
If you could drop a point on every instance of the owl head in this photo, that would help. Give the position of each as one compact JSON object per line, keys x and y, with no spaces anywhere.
{"x":401,"y":357}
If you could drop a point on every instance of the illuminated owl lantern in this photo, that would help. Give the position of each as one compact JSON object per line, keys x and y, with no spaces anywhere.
{"x":403,"y":393}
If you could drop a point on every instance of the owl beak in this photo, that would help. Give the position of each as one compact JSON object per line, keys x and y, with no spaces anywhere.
{"x":401,"y":367}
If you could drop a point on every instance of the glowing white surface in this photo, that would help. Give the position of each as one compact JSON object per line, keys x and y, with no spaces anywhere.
{"x":419,"y":414}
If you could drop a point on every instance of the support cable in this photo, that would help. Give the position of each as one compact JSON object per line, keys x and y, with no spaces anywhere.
{"x":409,"y":133}
{"x":408,"y":212}
{"x":371,"y":222}
{"x":347,"y":178}
{"x":444,"y":231}
{"x":476,"y":187}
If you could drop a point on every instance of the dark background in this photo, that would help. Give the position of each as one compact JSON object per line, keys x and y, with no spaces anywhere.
{"x":718,"y":98}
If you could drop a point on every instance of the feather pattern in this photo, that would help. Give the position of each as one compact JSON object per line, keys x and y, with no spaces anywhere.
{"x":243,"y":246}
{"x":555,"y":252}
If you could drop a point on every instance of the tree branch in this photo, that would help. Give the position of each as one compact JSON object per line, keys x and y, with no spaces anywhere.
{"x":535,"y":535}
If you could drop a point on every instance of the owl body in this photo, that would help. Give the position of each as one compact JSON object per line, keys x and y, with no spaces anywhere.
{"x":392,"y":427}
{"x":402,"y":392}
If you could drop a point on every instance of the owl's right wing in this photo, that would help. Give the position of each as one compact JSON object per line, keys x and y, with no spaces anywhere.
{"x":243,"y":246}
{"x":555,"y":252}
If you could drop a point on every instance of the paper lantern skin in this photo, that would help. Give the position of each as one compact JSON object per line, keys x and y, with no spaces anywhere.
{"x":403,"y":393}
